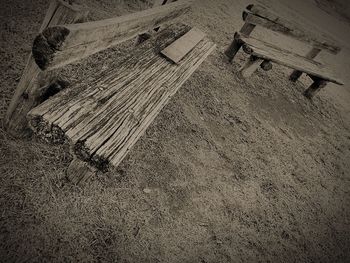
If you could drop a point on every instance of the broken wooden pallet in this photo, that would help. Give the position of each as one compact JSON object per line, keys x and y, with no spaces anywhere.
{"x":104,"y":119}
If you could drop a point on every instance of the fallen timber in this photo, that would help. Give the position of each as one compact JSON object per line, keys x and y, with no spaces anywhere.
{"x":63,"y":44}
{"x":104,"y":119}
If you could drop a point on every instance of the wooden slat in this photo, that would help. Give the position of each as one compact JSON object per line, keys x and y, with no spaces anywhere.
{"x":268,"y":51}
{"x":259,"y":15}
{"x":310,"y":55}
{"x":61,"y":45}
{"x":104,"y":119}
{"x":182,"y":46}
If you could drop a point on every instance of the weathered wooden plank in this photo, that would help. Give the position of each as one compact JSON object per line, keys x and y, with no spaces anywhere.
{"x":182,"y":46}
{"x":259,"y":15}
{"x":105,"y":119}
{"x":61,"y":45}
{"x":268,"y":51}
{"x":59,"y":12}
{"x":31,"y":84}
{"x":310,"y":55}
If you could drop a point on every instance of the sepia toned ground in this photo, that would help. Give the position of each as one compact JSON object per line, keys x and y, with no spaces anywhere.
{"x":232,"y":170}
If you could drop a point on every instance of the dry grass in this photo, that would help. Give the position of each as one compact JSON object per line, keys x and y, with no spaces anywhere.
{"x":234,"y":170}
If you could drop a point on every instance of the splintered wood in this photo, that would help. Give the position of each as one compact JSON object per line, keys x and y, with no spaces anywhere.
{"x":263,"y":50}
{"x":177,"y":50}
{"x":104,"y":119}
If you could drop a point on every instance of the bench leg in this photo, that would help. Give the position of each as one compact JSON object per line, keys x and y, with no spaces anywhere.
{"x":310,"y":55}
{"x":266,"y":65}
{"x":236,"y":44}
{"x":251,"y":66}
{"x":315,"y":87}
{"x":79,"y":172}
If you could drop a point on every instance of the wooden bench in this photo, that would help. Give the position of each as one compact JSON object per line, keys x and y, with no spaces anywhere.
{"x":261,"y":53}
{"x":103,"y":119}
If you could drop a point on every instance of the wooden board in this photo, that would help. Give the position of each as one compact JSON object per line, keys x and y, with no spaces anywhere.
{"x":61,"y":45}
{"x":259,"y":15}
{"x":268,"y":51}
{"x":104,"y":119}
{"x":182,"y":46}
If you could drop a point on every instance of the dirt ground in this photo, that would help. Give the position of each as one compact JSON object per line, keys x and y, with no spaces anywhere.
{"x":232,"y":170}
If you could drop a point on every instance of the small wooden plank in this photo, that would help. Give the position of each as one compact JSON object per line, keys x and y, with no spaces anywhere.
{"x":310,"y":55}
{"x":259,"y":15}
{"x":182,"y":46}
{"x":102,"y":124}
{"x":268,"y":51}
{"x":61,"y":45}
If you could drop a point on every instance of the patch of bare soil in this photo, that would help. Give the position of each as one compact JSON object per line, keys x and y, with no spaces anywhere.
{"x":337,"y":8}
{"x":232,"y":170}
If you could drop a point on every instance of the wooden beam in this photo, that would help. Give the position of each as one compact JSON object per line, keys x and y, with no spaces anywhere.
{"x":103,"y":124}
{"x":252,"y":64}
{"x":31,"y":84}
{"x":259,"y":15}
{"x":310,"y":55}
{"x":182,"y":46}
{"x":315,"y":87}
{"x":61,"y":45}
